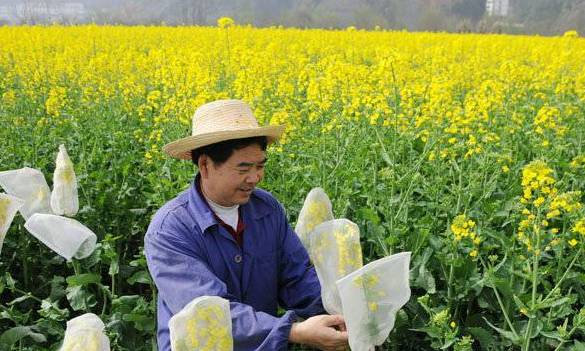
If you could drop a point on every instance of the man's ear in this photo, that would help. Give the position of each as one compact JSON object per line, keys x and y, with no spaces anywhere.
{"x":204,"y":163}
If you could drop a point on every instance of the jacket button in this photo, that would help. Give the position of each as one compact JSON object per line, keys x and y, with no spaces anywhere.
{"x":238,"y":258}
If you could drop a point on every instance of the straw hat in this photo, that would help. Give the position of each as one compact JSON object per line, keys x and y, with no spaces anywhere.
{"x":219,"y":121}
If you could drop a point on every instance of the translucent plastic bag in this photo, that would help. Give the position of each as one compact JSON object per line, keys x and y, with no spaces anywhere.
{"x":28,"y":184}
{"x":316,"y":210}
{"x":65,"y":236}
{"x":371,"y":296}
{"x":335,"y":252}
{"x":64,"y":199}
{"x":9,"y":205}
{"x":85,"y":333}
{"x":204,"y":324}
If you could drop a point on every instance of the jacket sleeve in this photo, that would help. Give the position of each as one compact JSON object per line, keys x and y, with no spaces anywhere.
{"x":181,"y":275}
{"x":300,"y":289}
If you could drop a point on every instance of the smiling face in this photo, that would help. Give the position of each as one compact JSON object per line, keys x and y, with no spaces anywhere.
{"x":232,"y":182}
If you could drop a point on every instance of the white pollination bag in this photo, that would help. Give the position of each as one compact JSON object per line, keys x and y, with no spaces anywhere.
{"x":64,"y":199}
{"x":204,"y":324}
{"x":28,"y":184}
{"x":85,"y":333}
{"x":316,"y":210}
{"x":65,"y":236}
{"x":9,"y":205}
{"x":335,"y":252}
{"x":371,"y":296}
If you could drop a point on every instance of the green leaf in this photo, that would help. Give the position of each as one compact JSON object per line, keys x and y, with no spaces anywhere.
{"x":552,"y":303}
{"x":125,"y":304}
{"x":552,"y":335}
{"x":448,"y":343}
{"x":14,"y":335}
{"x":369,"y":215}
{"x":139,"y":277}
{"x":485,"y":338}
{"x":505,"y":333}
{"x":539,"y":324}
{"x":83,"y":279}
{"x":483,"y":302}
{"x":522,"y":275}
{"x":20,"y":299}
{"x":50,"y":309}
{"x":80,"y":299}
{"x":9,"y":281}
{"x":383,"y":151}
{"x":503,"y":286}
{"x":114,"y":267}
{"x":57,"y":288}
{"x":140,"y":321}
{"x":422,"y":277}
{"x":521,"y":306}
{"x":432,"y":331}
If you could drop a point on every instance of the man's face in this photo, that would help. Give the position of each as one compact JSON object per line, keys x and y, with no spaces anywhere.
{"x":232,"y":182}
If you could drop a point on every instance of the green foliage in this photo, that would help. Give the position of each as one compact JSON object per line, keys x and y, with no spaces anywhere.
{"x":499,"y":297}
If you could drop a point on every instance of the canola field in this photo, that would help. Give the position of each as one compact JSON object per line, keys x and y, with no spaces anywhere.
{"x":467,"y":150}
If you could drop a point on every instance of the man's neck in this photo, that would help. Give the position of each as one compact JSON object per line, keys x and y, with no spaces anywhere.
{"x":211,"y":199}
{"x":228,"y":214}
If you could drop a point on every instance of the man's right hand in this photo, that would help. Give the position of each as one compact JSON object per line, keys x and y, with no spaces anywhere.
{"x":324,"y":332}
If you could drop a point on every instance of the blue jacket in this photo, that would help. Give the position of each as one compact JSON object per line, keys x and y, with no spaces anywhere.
{"x":190,"y":255}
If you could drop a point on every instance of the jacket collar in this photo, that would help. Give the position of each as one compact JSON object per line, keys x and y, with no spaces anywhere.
{"x":255,"y":209}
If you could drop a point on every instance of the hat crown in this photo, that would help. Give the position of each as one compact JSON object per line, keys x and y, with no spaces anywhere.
{"x":219,"y":121}
{"x":223,"y":116}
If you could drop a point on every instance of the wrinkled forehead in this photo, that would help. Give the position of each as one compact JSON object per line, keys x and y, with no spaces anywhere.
{"x":249,"y":156}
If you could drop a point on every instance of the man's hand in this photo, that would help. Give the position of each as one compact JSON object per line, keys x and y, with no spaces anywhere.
{"x":324,"y":332}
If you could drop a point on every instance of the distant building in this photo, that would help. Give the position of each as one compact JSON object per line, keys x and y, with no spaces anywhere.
{"x":42,"y":11}
{"x":497,"y":7}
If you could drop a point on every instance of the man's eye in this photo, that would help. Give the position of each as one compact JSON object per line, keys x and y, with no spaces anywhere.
{"x":243,"y":171}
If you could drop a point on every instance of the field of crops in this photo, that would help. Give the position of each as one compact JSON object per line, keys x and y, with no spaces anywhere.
{"x":468,"y":150}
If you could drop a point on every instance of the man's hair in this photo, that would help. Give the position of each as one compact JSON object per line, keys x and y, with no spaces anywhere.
{"x":220,"y":152}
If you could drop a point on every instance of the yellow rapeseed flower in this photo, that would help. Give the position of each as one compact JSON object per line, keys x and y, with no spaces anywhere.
{"x":579,"y":227}
{"x":225,"y":22}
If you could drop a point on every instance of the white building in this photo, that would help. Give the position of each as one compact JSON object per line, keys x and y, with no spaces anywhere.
{"x":497,"y":7}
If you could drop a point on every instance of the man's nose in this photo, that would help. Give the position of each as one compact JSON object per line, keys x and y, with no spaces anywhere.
{"x":255,"y":177}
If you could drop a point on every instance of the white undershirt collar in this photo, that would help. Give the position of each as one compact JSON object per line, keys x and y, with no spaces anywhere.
{"x":229,"y":215}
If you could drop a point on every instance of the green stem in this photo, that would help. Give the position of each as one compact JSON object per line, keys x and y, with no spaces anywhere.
{"x":460,"y":186}
{"x":113,"y":284}
{"x":105,"y":298}
{"x":565,"y":274}
{"x":25,"y":269}
{"x":504,"y":310}
{"x":534,"y":286}
{"x":76,"y":268}
{"x":449,"y":284}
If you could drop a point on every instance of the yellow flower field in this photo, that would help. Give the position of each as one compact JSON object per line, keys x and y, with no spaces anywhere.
{"x":466,"y":149}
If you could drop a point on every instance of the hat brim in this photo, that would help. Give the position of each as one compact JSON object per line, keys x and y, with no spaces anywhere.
{"x":181,"y":149}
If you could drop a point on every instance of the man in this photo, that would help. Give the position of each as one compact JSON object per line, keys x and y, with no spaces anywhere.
{"x":224,"y":237}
